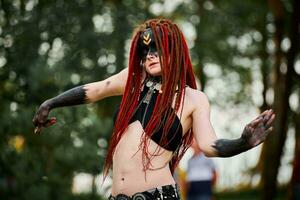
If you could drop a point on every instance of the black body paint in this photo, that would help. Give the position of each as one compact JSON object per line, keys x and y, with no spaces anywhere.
{"x":74,"y":96}
{"x":227,"y":148}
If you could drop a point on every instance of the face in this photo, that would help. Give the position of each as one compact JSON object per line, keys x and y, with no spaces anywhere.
{"x":150,"y":58}
{"x":151,"y":64}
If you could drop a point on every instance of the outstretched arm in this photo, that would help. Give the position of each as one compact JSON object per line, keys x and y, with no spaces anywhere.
{"x":87,"y":93}
{"x":253,"y":134}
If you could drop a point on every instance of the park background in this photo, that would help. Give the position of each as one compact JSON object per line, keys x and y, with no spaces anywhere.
{"x":244,"y":53}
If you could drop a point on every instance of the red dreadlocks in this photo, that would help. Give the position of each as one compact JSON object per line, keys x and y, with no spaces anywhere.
{"x":177,"y":72}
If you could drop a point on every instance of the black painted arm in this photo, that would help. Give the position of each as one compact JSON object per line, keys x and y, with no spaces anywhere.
{"x":74,"y":96}
{"x":254,"y":133}
{"x":227,"y":148}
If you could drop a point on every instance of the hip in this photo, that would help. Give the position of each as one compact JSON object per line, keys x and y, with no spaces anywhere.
{"x":170,"y":192}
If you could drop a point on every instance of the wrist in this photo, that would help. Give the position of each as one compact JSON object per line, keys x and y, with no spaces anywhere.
{"x":227,"y":148}
{"x":48,"y":104}
{"x":246,"y":140}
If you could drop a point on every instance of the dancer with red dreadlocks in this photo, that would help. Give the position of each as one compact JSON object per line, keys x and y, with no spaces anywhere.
{"x":160,"y":113}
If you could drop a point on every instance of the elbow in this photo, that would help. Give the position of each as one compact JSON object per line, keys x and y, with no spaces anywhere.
{"x":93,"y":93}
{"x":210,"y":154}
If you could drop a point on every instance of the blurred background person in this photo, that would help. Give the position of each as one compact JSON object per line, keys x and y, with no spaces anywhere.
{"x":200,"y":176}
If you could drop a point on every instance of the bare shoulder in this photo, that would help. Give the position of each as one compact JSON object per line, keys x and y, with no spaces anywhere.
{"x":197,"y":98}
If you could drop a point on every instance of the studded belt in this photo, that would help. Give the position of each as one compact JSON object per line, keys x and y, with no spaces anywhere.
{"x":166,"y":192}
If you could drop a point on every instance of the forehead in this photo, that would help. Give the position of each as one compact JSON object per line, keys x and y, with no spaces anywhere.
{"x":147,"y":37}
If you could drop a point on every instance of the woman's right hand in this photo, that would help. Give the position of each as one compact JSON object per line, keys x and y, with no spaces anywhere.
{"x":41,"y":120}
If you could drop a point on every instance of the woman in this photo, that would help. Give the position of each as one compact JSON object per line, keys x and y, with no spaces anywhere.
{"x":160,"y":112}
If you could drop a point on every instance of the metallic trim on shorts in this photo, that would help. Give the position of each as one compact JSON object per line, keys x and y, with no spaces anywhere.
{"x":167,"y":192}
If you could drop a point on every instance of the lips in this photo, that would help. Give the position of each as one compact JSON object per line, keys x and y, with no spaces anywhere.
{"x":153,"y":64}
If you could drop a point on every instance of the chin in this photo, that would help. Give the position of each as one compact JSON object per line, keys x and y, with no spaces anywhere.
{"x":154,"y":72}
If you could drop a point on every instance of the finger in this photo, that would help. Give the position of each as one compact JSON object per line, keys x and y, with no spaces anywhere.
{"x":251,"y":129}
{"x":50,"y":122}
{"x":261,"y":127}
{"x":270,"y":121}
{"x":53,"y":120}
{"x":255,"y":122}
{"x":265,"y":135}
{"x":268,"y":114}
{"x":248,"y":129}
{"x":269,"y":130}
{"x":34,"y":121}
{"x":41,"y":119}
{"x":263,"y":113}
{"x":37,"y":129}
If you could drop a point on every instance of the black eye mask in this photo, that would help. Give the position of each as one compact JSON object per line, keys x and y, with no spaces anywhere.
{"x":147,"y":43}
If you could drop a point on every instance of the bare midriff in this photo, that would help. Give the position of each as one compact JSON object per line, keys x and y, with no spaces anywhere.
{"x":128,"y":174}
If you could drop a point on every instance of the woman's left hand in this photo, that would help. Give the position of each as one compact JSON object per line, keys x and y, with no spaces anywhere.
{"x":256,"y":131}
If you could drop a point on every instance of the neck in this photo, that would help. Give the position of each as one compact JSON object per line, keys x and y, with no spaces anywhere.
{"x":156,"y":79}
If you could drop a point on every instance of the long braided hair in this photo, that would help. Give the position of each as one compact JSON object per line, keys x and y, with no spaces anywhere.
{"x":176,"y":73}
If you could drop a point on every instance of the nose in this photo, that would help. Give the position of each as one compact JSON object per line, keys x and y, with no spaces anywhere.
{"x":151,"y":55}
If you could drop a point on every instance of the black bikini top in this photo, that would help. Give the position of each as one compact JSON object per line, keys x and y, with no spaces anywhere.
{"x":143,"y":114}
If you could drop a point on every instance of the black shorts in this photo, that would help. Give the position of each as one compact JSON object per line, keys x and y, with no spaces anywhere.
{"x":166,"y":192}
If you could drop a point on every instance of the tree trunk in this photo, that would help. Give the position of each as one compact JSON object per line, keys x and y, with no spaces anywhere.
{"x":200,"y":72}
{"x":295,"y":180}
{"x":282,"y":86}
{"x":265,"y":73}
{"x":294,"y":37}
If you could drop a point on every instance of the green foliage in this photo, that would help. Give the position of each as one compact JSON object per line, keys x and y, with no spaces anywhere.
{"x":47,"y":47}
